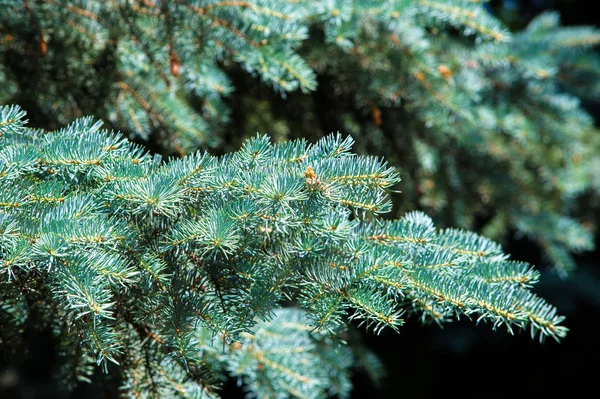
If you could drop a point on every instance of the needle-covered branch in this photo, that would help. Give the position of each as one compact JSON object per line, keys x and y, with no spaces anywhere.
{"x":148,"y":262}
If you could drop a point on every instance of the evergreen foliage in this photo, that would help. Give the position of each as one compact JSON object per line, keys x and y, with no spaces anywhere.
{"x":160,"y":61}
{"x":250,"y":264}
{"x":486,"y":124}
{"x":496,"y":132}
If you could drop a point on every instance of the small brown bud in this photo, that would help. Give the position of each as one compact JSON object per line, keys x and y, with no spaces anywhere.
{"x":43,"y":46}
{"x":376,"y":115}
{"x":444,"y":71}
{"x":310,"y":175}
{"x":174,"y":68}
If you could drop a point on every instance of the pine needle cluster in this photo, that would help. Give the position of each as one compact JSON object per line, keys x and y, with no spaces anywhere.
{"x":175,"y":274}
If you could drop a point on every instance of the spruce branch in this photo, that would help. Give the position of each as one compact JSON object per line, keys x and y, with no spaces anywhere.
{"x":206,"y":249}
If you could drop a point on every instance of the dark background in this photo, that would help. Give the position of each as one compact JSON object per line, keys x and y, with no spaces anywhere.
{"x":458,"y":359}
